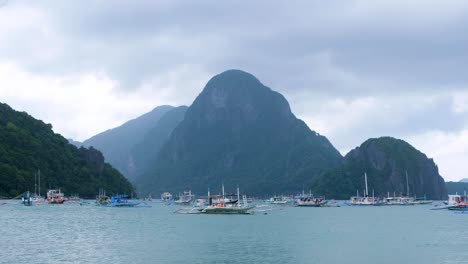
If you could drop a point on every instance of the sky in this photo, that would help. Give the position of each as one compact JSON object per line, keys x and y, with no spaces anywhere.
{"x":351,"y":70}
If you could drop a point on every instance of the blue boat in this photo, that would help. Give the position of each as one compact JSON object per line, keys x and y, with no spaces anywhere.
{"x":121,"y":201}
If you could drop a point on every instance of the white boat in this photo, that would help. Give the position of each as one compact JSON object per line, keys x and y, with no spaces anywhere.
{"x":186,"y":198}
{"x":364,"y":200}
{"x":166,"y":197}
{"x":227,"y":204}
{"x":55,"y":197}
{"x":280,"y":200}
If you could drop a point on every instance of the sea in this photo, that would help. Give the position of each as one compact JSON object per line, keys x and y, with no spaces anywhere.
{"x":74,"y":233}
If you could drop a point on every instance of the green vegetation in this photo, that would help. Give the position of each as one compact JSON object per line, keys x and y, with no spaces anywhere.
{"x":386,"y":161}
{"x":457,"y":187}
{"x":28,"y":145}
{"x":239,"y":132}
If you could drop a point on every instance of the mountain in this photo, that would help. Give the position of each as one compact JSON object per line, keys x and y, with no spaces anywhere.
{"x":145,"y":152}
{"x":464,"y":180}
{"x":116,"y":144}
{"x":457,"y":187}
{"x":74,"y":143}
{"x":239,"y":132}
{"x":386,"y":161}
{"x":28,"y":145}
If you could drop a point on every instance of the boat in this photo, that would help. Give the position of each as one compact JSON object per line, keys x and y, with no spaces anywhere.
{"x":102,"y":199}
{"x":281,"y":200}
{"x":186,"y":198}
{"x":121,"y":201}
{"x":166,"y":197}
{"x":364,"y":200}
{"x":55,"y":197}
{"x":227,"y":204}
{"x":26,"y":200}
{"x":310,"y":201}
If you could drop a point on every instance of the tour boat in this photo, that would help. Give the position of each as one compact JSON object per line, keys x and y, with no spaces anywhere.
{"x":227,"y":204}
{"x":121,"y":201}
{"x":55,"y":197}
{"x":310,"y":201}
{"x":280,"y":200}
{"x":365,"y":200}
{"x":166,"y":197}
{"x":27,"y":199}
{"x":185,"y":199}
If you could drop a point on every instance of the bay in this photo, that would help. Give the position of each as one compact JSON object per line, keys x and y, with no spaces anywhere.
{"x":90,"y":234}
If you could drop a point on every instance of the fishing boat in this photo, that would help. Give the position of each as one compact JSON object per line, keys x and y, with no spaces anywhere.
{"x":186,"y":198}
{"x":55,"y":197}
{"x":26,"y":200}
{"x":227,"y":204}
{"x":364,"y":200}
{"x":121,"y":201}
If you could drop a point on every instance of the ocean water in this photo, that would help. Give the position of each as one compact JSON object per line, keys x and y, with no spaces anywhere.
{"x":89,"y":234}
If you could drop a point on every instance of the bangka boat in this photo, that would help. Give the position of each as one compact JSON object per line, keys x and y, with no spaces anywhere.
{"x":27,"y":199}
{"x":186,"y":198}
{"x":281,"y":200}
{"x":55,"y":197}
{"x":121,"y":201}
{"x":365,"y":200}
{"x":166,"y":197}
{"x":310,"y":201}
{"x":227,"y":204}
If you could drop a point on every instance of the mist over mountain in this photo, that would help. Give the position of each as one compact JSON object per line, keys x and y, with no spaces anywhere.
{"x":239,"y":132}
{"x":386,"y":161}
{"x":145,"y":153}
{"x":117,"y":144}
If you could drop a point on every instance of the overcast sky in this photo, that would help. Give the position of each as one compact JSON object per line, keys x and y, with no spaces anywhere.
{"x":350,"y":69}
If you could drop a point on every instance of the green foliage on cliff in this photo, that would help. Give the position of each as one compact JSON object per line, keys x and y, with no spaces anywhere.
{"x":239,"y":132}
{"x":386,"y":161}
{"x":28,"y":145}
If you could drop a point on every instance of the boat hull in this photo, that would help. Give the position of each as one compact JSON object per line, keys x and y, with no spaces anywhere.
{"x":220,"y":210}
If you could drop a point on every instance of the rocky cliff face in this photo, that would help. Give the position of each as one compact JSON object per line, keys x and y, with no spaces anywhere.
{"x":386,"y":161}
{"x":240,"y":132}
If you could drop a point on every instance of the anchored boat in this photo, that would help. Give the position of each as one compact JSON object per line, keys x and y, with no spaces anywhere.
{"x":185,"y":199}
{"x":365,"y":200}
{"x":55,"y":197}
{"x":121,"y":201}
{"x":310,"y":201}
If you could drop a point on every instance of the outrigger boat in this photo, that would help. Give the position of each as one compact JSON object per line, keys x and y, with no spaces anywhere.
{"x":121,"y":201}
{"x":102,"y":199}
{"x":280,"y":200}
{"x":55,"y":197}
{"x":310,"y":201}
{"x":185,"y":199}
{"x":166,"y":197}
{"x":27,"y":199}
{"x":366,"y":200}
{"x":223,"y":204}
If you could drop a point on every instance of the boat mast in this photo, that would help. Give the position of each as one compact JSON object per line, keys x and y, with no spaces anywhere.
{"x":223,"y":190}
{"x":407,"y":184}
{"x":365,"y":179}
{"x":35,"y":184}
{"x":39,"y":182}
{"x":238,"y":196}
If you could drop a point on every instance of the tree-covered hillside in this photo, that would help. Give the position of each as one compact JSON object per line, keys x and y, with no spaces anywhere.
{"x":28,"y":145}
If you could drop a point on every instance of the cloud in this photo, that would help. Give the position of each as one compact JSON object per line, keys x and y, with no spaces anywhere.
{"x":352,"y":70}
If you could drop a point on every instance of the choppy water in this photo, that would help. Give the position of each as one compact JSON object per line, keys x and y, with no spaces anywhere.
{"x":90,"y":234}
